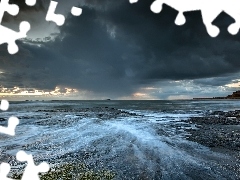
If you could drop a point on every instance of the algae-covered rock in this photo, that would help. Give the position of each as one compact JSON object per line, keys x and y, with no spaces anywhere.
{"x":73,"y":172}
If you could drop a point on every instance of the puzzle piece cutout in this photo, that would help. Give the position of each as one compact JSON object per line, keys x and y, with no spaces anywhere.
{"x":4,"y":167}
{"x":31,"y":2}
{"x":4,"y":170}
{"x":12,"y":121}
{"x":31,"y":171}
{"x":10,"y":36}
{"x":7,"y":35}
{"x":59,"y":19}
{"x":12,"y":9}
{"x":4,"y":105}
{"x":209,"y":10}
{"x":76,"y":11}
{"x":12,"y":124}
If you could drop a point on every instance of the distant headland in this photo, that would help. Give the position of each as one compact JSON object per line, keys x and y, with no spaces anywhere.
{"x":234,"y":95}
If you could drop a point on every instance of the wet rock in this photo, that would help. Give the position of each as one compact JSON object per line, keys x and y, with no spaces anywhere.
{"x":217,"y":129}
{"x":65,"y":117}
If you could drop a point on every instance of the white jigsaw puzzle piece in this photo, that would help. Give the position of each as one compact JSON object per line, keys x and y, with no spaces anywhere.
{"x":4,"y":105}
{"x":59,"y":19}
{"x":4,"y":170}
{"x":31,"y":2}
{"x":31,"y":171}
{"x":12,"y":9}
{"x":209,"y":10}
{"x":133,"y":1}
{"x":10,"y":130}
{"x":7,"y":35}
{"x":12,"y":121}
{"x":76,"y":11}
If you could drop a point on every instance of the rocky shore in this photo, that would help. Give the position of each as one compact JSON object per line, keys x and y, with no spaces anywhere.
{"x":217,"y":129}
{"x":101,"y":157}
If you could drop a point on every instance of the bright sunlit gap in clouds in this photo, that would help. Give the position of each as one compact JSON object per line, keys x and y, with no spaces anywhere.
{"x":33,"y":93}
{"x":234,"y":84}
{"x":183,"y":89}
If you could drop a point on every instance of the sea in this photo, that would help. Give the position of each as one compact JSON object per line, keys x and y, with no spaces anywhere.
{"x":133,"y":139}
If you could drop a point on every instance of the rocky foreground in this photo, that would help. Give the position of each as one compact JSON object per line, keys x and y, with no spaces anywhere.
{"x":217,"y":129}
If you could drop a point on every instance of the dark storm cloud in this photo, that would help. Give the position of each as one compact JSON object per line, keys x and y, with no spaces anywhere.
{"x":218,"y":81}
{"x":171,"y":52}
{"x":40,"y":6}
{"x":118,"y":49}
{"x":35,"y":15}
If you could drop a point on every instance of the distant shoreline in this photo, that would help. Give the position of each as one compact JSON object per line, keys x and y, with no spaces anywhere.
{"x":190,"y":99}
{"x":223,"y":98}
{"x":235,"y":95}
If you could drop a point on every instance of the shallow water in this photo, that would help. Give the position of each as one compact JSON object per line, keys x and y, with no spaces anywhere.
{"x":150,"y":143}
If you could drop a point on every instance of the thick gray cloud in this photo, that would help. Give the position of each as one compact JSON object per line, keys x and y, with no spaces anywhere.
{"x":115,"y":48}
{"x":40,"y":6}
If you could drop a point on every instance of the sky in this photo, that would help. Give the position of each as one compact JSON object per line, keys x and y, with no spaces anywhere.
{"x":120,"y":51}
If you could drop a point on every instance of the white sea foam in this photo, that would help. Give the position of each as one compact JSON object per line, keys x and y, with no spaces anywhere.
{"x":148,"y":142}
